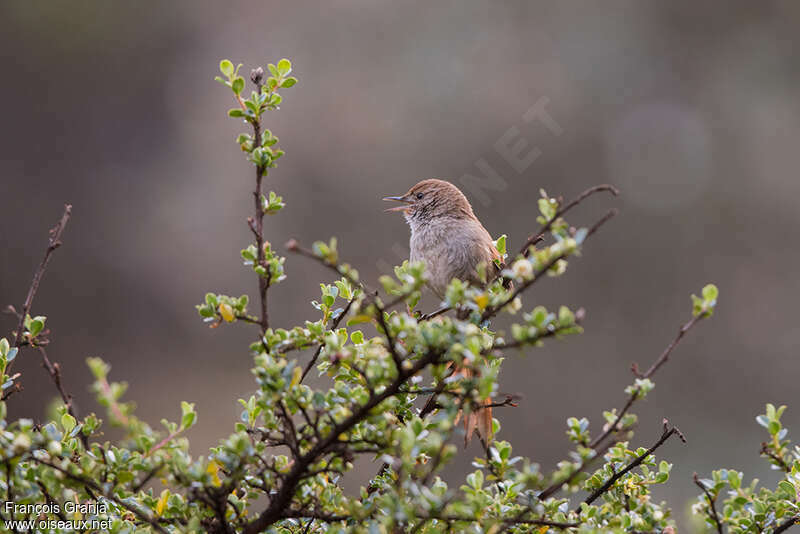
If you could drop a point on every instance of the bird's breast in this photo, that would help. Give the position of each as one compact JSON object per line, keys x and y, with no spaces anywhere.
{"x":450,"y":249}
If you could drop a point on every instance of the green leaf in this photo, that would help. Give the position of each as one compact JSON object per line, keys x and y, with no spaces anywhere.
{"x":226,"y":67}
{"x":238,"y":85}
{"x":68,"y":422}
{"x":357,"y":337}
{"x":236,"y":112}
{"x":710,"y":292}
{"x":289,"y":82}
{"x":500,"y":245}
{"x":36,"y":327}
{"x":188,"y":415}
{"x":284,"y":67}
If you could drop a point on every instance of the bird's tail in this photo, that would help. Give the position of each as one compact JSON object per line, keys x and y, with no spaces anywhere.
{"x":479,"y":418}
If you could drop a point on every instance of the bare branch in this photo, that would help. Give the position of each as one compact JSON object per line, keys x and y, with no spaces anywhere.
{"x":653,"y":368}
{"x":53,"y":243}
{"x":665,"y":435}
{"x":711,"y":503}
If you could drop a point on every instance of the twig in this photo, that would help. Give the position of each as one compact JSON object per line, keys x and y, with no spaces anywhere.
{"x":711,"y":503}
{"x":539,"y":236}
{"x":780,"y":461}
{"x":53,"y":243}
{"x":88,"y":483}
{"x":282,"y":497}
{"x":665,"y":435}
{"x":650,"y":372}
{"x":440,"y":311}
{"x":150,"y":474}
{"x":786,"y":525}
{"x":163,"y":442}
{"x":303,"y":514}
{"x":555,"y":487}
{"x":334,"y":326}
{"x":492,"y":310}
{"x":54,"y":370}
{"x":293,"y":246}
{"x":665,"y":355}
{"x":256,"y":222}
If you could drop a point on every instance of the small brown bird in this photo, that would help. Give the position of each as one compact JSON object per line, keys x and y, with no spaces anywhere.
{"x":446,"y":235}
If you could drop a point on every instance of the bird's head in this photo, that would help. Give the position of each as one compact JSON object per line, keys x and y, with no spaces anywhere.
{"x":431,"y":199}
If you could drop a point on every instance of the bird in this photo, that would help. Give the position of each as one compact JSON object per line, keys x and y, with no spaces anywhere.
{"x":451,"y":241}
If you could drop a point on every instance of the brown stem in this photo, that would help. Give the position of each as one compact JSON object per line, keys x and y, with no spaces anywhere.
{"x":555,"y":487}
{"x":535,"y":238}
{"x":282,"y":497}
{"x":667,"y":351}
{"x":54,"y":370}
{"x":647,"y":374}
{"x":334,"y":326}
{"x":711,"y":503}
{"x":258,"y":230}
{"x":90,"y":484}
{"x":665,"y":435}
{"x":491,"y":311}
{"x":53,"y":243}
{"x":786,"y":525}
{"x":780,"y":461}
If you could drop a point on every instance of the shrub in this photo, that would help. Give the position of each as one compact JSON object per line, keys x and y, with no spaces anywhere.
{"x":281,"y":468}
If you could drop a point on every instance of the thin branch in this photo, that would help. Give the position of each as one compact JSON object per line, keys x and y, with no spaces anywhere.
{"x":163,"y":442}
{"x":150,"y":474}
{"x":786,"y":525}
{"x":440,"y":311}
{"x":54,"y":370}
{"x":334,"y":326}
{"x":665,"y":435}
{"x":535,"y":238}
{"x":322,"y":516}
{"x":282,"y":497}
{"x":555,"y":487}
{"x":256,"y":223}
{"x":491,"y":311}
{"x":667,"y":351}
{"x":650,"y":372}
{"x":53,"y":243}
{"x":293,"y":246}
{"x":247,"y":319}
{"x":50,"y":500}
{"x":775,"y":457}
{"x":88,"y":483}
{"x":711,"y":503}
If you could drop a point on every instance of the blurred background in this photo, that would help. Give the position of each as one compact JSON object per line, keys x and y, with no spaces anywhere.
{"x":691,"y":109}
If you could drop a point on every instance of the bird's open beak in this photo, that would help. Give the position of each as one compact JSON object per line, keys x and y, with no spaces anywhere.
{"x":404,"y":200}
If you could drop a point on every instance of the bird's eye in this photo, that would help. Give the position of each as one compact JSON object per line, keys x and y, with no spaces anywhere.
{"x":420,"y":195}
